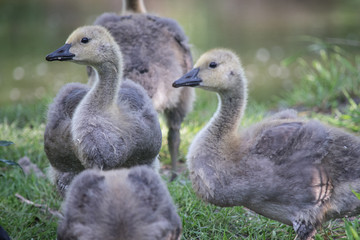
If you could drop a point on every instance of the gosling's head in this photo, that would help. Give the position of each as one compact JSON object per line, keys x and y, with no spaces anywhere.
{"x":216,"y":70}
{"x":89,"y":45}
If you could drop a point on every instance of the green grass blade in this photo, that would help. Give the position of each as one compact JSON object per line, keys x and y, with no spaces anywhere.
{"x":8,"y":162}
{"x":11,"y":163}
{"x":5,"y":143}
{"x":356,"y":194}
{"x":351,"y":232}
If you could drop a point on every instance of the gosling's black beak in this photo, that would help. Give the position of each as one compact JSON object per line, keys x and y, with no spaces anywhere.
{"x":190,"y":79}
{"x":61,"y":54}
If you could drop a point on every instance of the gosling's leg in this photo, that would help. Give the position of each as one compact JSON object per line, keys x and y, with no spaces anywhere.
{"x":174,"y":144}
{"x":174,"y":119}
{"x":304,"y":229}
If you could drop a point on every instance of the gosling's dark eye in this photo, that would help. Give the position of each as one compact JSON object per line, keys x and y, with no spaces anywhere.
{"x":85,"y":40}
{"x":213,"y":65}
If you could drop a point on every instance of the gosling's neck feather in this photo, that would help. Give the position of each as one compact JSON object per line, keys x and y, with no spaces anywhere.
{"x":231,"y":107}
{"x":108,"y":83}
{"x":104,"y":92}
{"x":212,"y":143}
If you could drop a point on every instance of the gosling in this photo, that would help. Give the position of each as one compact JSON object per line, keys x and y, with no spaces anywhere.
{"x":109,"y":125}
{"x":121,"y":204}
{"x":156,"y":52}
{"x":297,"y":172}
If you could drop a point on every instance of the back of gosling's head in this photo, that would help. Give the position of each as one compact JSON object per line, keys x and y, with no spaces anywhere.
{"x":219,"y":56}
{"x":119,"y":205}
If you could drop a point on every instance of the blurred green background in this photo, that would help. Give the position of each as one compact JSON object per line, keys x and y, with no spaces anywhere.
{"x":262,"y":32}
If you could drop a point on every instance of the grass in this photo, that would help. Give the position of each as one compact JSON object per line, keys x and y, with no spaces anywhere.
{"x":328,"y":79}
{"x":349,"y":118}
{"x":24,"y":125}
{"x":23,"y":221}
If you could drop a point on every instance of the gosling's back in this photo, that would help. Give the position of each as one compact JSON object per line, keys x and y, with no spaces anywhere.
{"x":119,"y":205}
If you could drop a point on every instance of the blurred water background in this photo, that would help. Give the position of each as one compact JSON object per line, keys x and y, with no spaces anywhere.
{"x":262,"y":32}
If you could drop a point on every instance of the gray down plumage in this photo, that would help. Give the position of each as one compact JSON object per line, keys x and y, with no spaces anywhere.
{"x":58,"y":144}
{"x":121,"y":204}
{"x":111,"y":124}
{"x":296,"y":171}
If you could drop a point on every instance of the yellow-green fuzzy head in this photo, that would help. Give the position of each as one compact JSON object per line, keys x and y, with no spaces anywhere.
{"x":216,"y":70}
{"x":90,"y":45}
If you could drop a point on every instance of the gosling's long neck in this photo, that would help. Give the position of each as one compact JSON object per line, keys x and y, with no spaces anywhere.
{"x":135,"y":6}
{"x":104,"y":92}
{"x":231,"y":107}
{"x":213,"y":144}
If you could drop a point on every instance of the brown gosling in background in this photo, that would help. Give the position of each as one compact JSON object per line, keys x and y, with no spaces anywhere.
{"x":124,"y":204}
{"x":112,"y":124}
{"x":298,"y":172}
{"x":156,"y":53}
